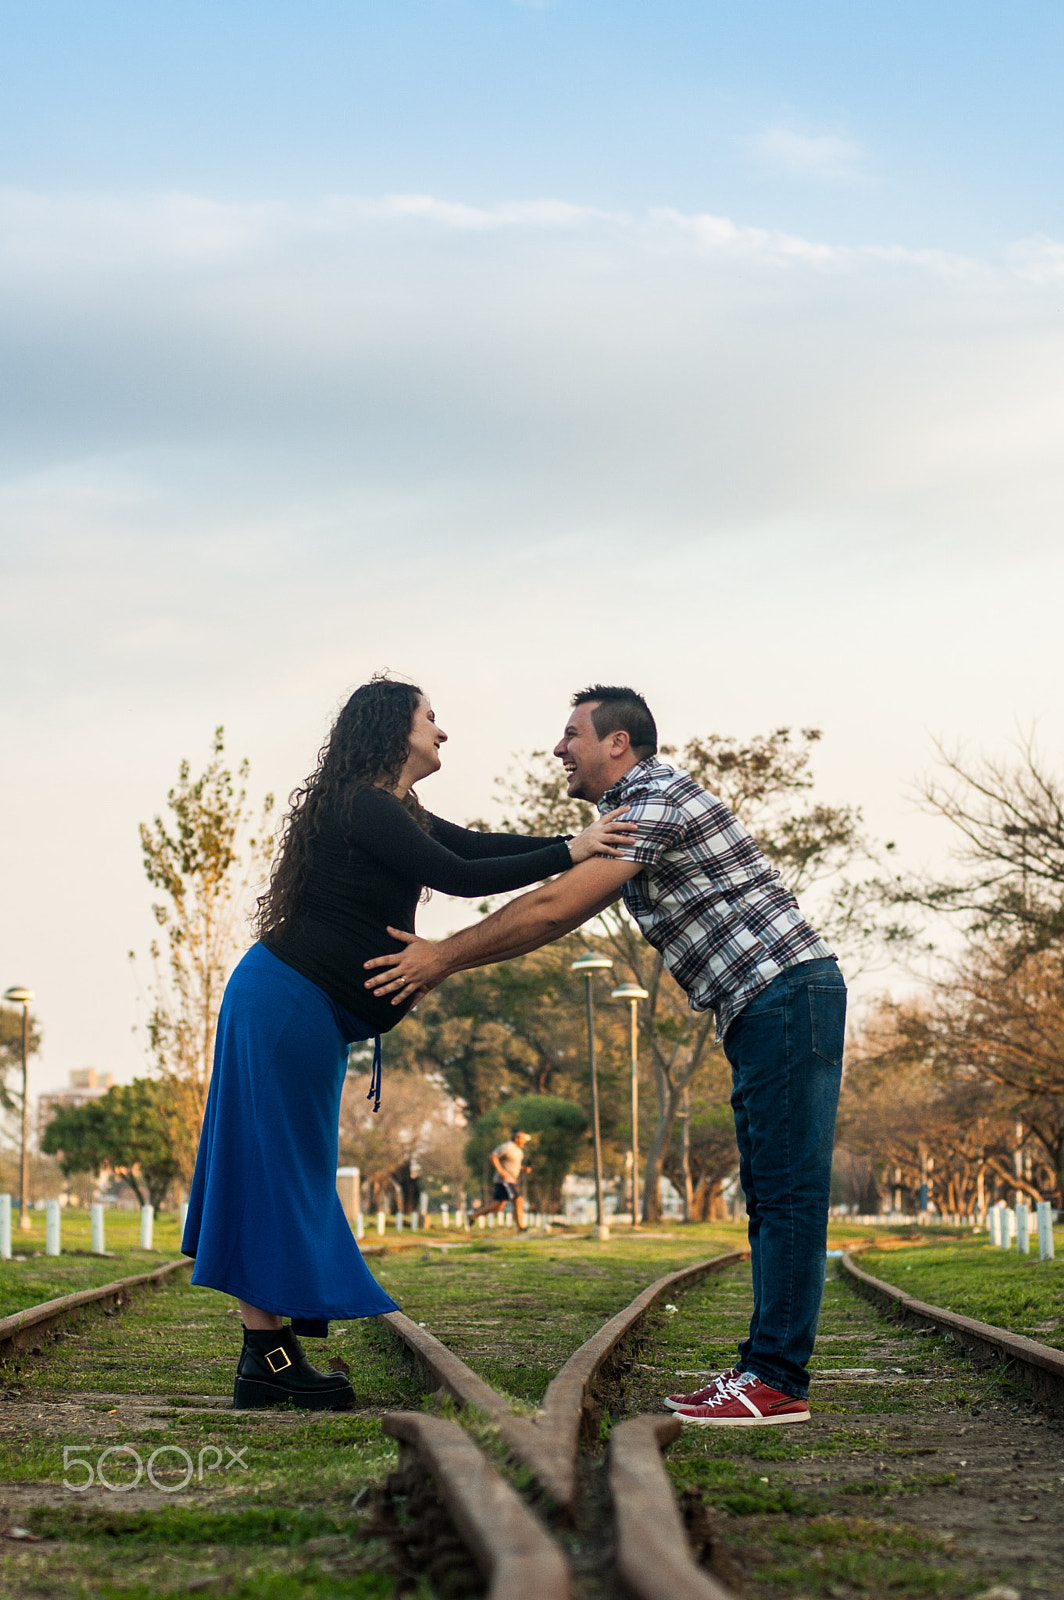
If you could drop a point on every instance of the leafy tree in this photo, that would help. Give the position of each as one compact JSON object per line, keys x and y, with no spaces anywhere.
{"x":558,"y":1128}
{"x":203,"y":859}
{"x":124,"y":1130}
{"x":512,"y":1029}
{"x":11,"y":1052}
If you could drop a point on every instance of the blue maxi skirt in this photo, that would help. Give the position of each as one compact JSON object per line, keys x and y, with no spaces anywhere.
{"x":264,"y":1220}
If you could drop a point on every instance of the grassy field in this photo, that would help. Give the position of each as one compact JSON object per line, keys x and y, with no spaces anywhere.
{"x":40,"y":1277}
{"x":971,"y":1276}
{"x":870,"y":1498}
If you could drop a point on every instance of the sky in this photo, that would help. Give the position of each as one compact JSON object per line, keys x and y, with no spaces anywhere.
{"x":715,"y":348}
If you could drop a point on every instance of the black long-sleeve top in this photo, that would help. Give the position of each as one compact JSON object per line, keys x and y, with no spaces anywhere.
{"x":368,"y":874}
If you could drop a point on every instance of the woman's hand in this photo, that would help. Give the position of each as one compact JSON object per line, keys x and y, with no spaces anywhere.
{"x":408,"y":973}
{"x":606,"y":837}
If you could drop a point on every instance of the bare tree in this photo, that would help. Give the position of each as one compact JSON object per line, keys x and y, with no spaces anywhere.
{"x":918,"y":1102}
{"x":417,"y":1133}
{"x":1008,"y":881}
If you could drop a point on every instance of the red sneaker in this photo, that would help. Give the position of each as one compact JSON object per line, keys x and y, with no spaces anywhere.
{"x":700,"y":1396}
{"x":745,"y":1402}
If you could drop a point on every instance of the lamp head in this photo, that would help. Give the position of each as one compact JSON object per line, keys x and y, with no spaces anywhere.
{"x":18,"y":995}
{"x":629,"y":991}
{"x":592,"y":964}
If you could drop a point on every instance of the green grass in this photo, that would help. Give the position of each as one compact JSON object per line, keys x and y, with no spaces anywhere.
{"x":816,"y":1511}
{"x":1012,"y":1291}
{"x":782,"y":1501}
{"x":515,"y":1312}
{"x":41,"y":1277}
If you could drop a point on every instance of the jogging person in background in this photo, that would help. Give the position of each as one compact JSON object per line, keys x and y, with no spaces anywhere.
{"x":506,"y":1159}
{"x":734,"y":939}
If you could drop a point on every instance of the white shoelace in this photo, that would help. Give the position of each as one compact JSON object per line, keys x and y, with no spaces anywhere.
{"x":729,"y":1389}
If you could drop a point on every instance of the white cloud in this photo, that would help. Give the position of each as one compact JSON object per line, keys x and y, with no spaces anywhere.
{"x":721,"y":237}
{"x":251,"y":453}
{"x":1038,"y":260}
{"x":49,"y":239}
{"x":831,"y":157}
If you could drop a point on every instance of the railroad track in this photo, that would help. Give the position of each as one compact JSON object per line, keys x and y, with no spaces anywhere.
{"x":520,"y":1548}
{"x":36,"y":1326}
{"x":516,"y":1551}
{"x":1038,"y":1367}
{"x":523,"y":1542}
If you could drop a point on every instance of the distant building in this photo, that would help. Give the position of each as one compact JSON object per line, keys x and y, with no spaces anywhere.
{"x":85,"y":1084}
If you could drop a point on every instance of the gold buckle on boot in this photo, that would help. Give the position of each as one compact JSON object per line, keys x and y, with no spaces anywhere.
{"x":286,"y":1359}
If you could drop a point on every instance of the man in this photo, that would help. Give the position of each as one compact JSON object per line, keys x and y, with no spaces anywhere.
{"x":506,"y":1158}
{"x":734,"y":939}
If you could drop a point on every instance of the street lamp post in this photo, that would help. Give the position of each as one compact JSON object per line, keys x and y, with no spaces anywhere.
{"x":633,"y":994}
{"x":589,"y":965}
{"x":20,"y":996}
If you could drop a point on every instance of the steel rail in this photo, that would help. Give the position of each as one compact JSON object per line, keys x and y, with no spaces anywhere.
{"x":25,"y":1327}
{"x":652,"y":1558}
{"x":1040,"y":1366}
{"x":515,"y":1553}
{"x":549,"y":1443}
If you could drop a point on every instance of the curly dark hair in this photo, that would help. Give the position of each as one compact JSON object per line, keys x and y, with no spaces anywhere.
{"x":369,"y":742}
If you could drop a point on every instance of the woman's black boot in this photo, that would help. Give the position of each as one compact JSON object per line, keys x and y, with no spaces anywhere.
{"x":273,"y":1371}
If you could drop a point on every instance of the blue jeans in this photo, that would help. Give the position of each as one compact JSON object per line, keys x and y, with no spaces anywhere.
{"x":785,"y":1052}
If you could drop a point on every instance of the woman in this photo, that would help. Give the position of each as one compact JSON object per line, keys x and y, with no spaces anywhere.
{"x":264,"y":1220}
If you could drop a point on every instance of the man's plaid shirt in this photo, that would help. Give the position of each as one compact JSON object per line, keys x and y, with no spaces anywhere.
{"x":707,"y":898}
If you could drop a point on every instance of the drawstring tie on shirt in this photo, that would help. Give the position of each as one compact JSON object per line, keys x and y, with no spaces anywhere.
{"x":376,"y":1075}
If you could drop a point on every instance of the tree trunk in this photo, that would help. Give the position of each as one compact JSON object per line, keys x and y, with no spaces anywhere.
{"x":656,"y":1155}
{"x":685,"y":1160}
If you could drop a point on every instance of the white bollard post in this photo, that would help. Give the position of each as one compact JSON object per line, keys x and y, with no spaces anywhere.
{"x":481,"y":1222}
{"x":445,"y":1216}
{"x":424,"y":1203}
{"x":182,"y":1218}
{"x":99,"y":1247}
{"x":147,"y":1226}
{"x":51,"y":1229}
{"x":5,"y":1227}
{"x":380,"y":1221}
{"x":1023,"y":1231}
{"x":1045,"y":1231}
{"x":415,"y":1218}
{"x":492,"y":1219}
{"x":360,"y":1227}
{"x":349,"y":1189}
{"x":398,"y":1222}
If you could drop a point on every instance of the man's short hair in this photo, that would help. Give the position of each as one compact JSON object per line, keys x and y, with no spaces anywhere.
{"x":621,"y":710}
{"x":515,"y":1131}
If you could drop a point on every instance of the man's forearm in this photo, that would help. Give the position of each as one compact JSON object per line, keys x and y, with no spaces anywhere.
{"x":525,"y":924}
